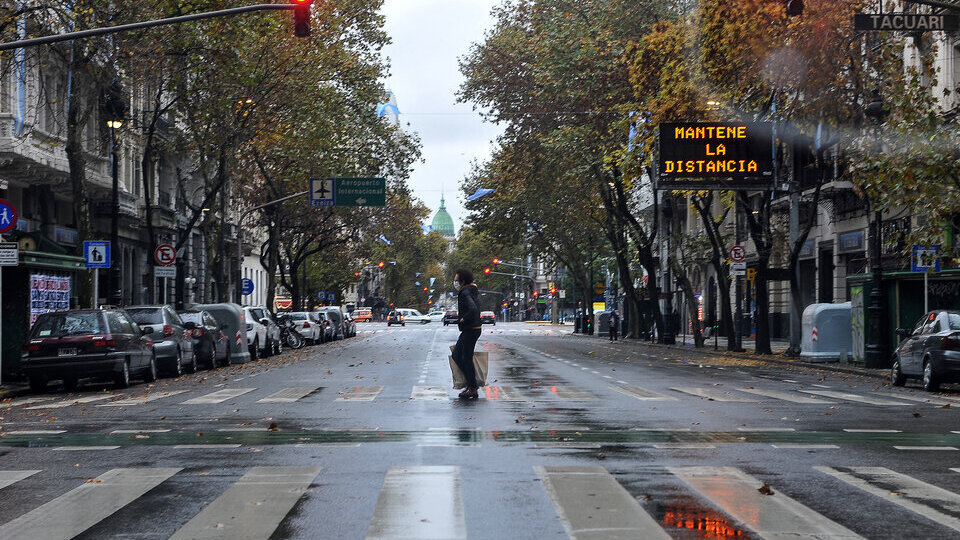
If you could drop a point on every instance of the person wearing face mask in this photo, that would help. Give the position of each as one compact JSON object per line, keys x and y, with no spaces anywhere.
{"x":468,"y":305}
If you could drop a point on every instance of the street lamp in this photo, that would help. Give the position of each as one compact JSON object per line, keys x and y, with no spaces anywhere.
{"x":115,"y":109}
{"x":875,"y":353}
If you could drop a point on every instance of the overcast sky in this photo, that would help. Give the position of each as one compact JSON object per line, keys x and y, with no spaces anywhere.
{"x":428,"y":37}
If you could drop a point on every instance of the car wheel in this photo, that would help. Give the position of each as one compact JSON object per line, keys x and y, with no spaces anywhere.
{"x":178,"y":364}
{"x":150,"y":374}
{"x":897,"y":377}
{"x":255,"y":349}
{"x":277,"y":347}
{"x":70,"y":384}
{"x":122,"y":379}
{"x":38,"y":384}
{"x":930,"y":381}
{"x":267,"y":349}
{"x":226,"y":356}
{"x":192,"y":366}
{"x":213,"y":356}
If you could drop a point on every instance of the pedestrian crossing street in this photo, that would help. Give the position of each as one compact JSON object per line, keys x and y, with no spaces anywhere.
{"x":620,"y":390}
{"x":428,"y":501}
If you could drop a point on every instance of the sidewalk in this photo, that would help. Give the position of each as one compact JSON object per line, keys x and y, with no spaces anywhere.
{"x":10,"y":390}
{"x":778,"y":346}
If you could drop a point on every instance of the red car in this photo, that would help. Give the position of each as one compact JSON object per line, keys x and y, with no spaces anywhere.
{"x":84,"y":343}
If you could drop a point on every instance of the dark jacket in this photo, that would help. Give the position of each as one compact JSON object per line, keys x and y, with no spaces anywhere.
{"x":468,"y":307}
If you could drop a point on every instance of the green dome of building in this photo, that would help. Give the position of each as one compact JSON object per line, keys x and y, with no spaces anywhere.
{"x":442,"y":222}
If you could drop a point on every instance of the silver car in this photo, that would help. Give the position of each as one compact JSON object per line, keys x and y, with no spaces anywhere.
{"x":930,"y":352}
{"x":172,"y":342}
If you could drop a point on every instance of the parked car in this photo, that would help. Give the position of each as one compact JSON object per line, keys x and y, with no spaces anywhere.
{"x":930,"y":352}
{"x":362,"y":314}
{"x":83,"y":343}
{"x":233,"y":321}
{"x":172,"y":341}
{"x":350,"y":325}
{"x":436,"y":315}
{"x":263,"y":334}
{"x":413,"y":316}
{"x":395,"y":317}
{"x":308,"y":325}
{"x":210,"y":344}
{"x":327,"y":326}
{"x":451,"y":317}
{"x":336,"y":320}
{"x":488,"y":317}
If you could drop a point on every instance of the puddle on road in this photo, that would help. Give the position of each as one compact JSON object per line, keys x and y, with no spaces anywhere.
{"x":693,"y":521}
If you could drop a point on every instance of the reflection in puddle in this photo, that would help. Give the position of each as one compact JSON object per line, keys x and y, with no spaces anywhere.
{"x":706,"y":522}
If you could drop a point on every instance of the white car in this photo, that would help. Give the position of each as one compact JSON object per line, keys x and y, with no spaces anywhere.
{"x":308,"y":326}
{"x":261,"y":340}
{"x":413,"y":316}
{"x":436,"y":316}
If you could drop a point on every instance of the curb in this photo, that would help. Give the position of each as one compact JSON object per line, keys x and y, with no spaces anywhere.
{"x":12,"y":392}
{"x":772,"y":359}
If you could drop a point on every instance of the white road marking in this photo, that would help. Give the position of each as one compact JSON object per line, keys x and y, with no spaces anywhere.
{"x":430,"y":393}
{"x":37,"y":432}
{"x":69,"y":402}
{"x":81,"y":448}
{"x":681,"y":446}
{"x":143,"y":399}
{"x":767,"y":429}
{"x":622,"y":382}
{"x":820,"y":386}
{"x":931,"y":448}
{"x":422,"y":502}
{"x":776,"y":516}
{"x":580,"y":446}
{"x":23,"y":401}
{"x":360,"y":393}
{"x":218,"y":397}
{"x":502,"y":393}
{"x":920,"y":399}
{"x":801,"y":446}
{"x":592,"y":504}
{"x":856,"y":397}
{"x":919,"y":497}
{"x":956,"y":470}
{"x":572,"y":393}
{"x":786,"y":396}
{"x":86,"y":505}
{"x":289,"y":395}
{"x":855,"y":430}
{"x":12,"y":477}
{"x":607,"y":377}
{"x":642,"y":393}
{"x":124,"y":431}
{"x":204,"y":446}
{"x":253,"y":507}
{"x":710,"y":393}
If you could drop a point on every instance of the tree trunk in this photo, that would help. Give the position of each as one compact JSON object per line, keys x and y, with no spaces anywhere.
{"x":691,"y":302}
{"x":78,"y":183}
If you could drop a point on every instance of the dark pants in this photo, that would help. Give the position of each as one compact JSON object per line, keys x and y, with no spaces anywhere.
{"x":613,"y":332}
{"x":463,"y":355}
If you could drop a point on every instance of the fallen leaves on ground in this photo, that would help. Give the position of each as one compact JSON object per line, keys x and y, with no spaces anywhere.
{"x":765,"y":489}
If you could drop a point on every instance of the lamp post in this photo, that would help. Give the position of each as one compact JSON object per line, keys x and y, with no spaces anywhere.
{"x":114,"y":109}
{"x":875,"y":353}
{"x":668,"y":335}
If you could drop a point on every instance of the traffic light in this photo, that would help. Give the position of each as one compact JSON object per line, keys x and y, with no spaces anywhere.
{"x":496,"y":261}
{"x":381,"y":265}
{"x":425,"y":288}
{"x":301,"y":17}
{"x":553,"y":290}
{"x":486,"y":271}
{"x":356,"y":274}
{"x":794,"y":8}
{"x":429,"y":302}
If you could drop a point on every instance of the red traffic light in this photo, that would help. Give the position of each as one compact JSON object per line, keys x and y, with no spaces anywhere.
{"x":301,"y":17}
{"x":381,"y":265}
{"x":426,"y":288}
{"x":356,"y":274}
{"x":486,"y":271}
{"x":496,"y":261}
{"x":429,"y":302}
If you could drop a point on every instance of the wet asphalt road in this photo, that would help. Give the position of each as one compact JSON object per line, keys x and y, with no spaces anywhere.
{"x":574,"y":437}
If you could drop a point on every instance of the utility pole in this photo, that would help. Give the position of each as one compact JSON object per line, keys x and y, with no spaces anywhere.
{"x":738,"y":313}
{"x":795,"y":301}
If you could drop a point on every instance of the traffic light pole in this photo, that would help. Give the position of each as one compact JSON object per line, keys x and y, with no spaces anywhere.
{"x":144,"y":24}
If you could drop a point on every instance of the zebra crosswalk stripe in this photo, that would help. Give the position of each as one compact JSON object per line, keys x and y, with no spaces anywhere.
{"x":856,"y":397}
{"x":142,"y":399}
{"x":785,"y":396}
{"x":592,"y":504}
{"x":86,"y":505}
{"x":69,"y":402}
{"x":218,"y":397}
{"x":289,"y":395}
{"x":253,"y":507}
{"x":710,"y":393}
{"x":642,"y":393}
{"x":12,"y":477}
{"x":919,"y":497}
{"x":423,"y":502}
{"x":778,"y":516}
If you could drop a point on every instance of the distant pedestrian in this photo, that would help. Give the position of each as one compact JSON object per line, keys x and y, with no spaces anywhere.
{"x":614,"y":325}
{"x":468,"y":306}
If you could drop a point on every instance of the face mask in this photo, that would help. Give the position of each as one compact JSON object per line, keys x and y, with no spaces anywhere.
{"x":456,"y":285}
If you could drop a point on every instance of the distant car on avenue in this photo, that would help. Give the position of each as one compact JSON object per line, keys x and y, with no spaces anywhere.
{"x":488,"y":317}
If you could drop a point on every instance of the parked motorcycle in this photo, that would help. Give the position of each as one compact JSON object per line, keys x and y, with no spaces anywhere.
{"x":288,"y":332}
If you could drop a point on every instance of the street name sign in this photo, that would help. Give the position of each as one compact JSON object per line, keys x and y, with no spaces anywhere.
{"x":165,"y":255}
{"x":165,"y":271}
{"x":9,"y":253}
{"x":360,"y":191}
{"x":322,"y":192}
{"x":906,"y":22}
{"x":96,"y":253}
{"x":715,"y":155}
{"x":8,"y":216}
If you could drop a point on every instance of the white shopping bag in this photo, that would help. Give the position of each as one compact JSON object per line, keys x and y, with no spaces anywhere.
{"x":479,"y":365}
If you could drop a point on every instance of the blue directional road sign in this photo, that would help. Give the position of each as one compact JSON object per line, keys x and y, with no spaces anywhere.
{"x":8,"y":216}
{"x":332,"y":297}
{"x":321,"y":295}
{"x":96,"y":253}
{"x":322,"y":192}
{"x":246,"y":286}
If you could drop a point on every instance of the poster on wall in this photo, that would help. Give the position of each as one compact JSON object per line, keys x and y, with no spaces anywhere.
{"x":48,"y":293}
